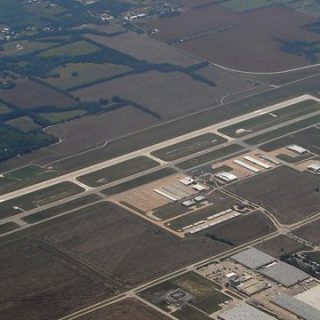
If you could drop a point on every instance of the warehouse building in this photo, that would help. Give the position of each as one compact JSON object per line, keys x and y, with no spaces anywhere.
{"x":226,"y":176}
{"x":297,"y":149}
{"x":311,"y":297}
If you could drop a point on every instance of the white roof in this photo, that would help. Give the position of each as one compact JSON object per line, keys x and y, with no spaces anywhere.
{"x":227,"y":176}
{"x":298,"y":149}
{"x":311,"y":297}
{"x":198,"y":187}
{"x":314,"y":166}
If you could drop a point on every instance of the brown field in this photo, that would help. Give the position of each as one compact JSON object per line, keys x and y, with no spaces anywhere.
{"x":28,"y":94}
{"x":94,"y":130}
{"x":310,"y":232}
{"x":122,"y":246}
{"x":41,"y":282}
{"x":241,"y":41}
{"x":169,"y":94}
{"x":242,"y":229}
{"x":145,"y":48}
{"x":289,"y":194}
{"x":129,"y":309}
{"x":280,"y":245}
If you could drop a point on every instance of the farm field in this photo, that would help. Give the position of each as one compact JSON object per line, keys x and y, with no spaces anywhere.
{"x":241,"y":229}
{"x":128,"y":309}
{"x":62,"y":208}
{"x":224,"y":37}
{"x":25,"y":124}
{"x":188,"y":147}
{"x":7,"y":227}
{"x":278,"y":191}
{"x":127,"y":249}
{"x":189,"y":313}
{"x":39,"y":198}
{"x":244,"y":6}
{"x":280,"y":245}
{"x":57,"y":117}
{"x":273,"y":118}
{"x":310,"y":232}
{"x":118,"y":171}
{"x":74,"y":75}
{"x":28,"y":95}
{"x":4,"y":109}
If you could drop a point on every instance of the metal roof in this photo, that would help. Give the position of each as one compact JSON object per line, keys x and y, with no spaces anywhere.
{"x":245,"y":312}
{"x":311,"y":297}
{"x":297,"y":307}
{"x":253,"y":258}
{"x":284,"y":273}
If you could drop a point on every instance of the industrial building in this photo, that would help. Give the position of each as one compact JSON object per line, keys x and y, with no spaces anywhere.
{"x":253,"y":258}
{"x":245,"y":312}
{"x":284,"y":273}
{"x":296,"y":307}
{"x":311,"y":297}
{"x":226,"y":176}
{"x":314,"y":167}
{"x":297,"y":149}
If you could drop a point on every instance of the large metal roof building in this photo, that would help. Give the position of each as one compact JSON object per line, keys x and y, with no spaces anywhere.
{"x":253,"y":258}
{"x":311,"y":297}
{"x":245,"y":312}
{"x":284,"y":273}
{"x":297,"y":307}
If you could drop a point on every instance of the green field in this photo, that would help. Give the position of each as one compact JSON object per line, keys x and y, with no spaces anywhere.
{"x":188,"y":147}
{"x":78,"y":48}
{"x":39,"y":198}
{"x":68,"y":206}
{"x":26,"y":47}
{"x":7,"y":227}
{"x":245,"y":5}
{"x":73,"y":75}
{"x":4,"y":109}
{"x":24,"y":124}
{"x":207,"y":297}
{"x":273,"y":118}
{"x":118,"y":171}
{"x":56,"y":117}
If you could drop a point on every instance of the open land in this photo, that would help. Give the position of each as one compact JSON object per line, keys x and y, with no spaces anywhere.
{"x":279,"y":192}
{"x":25,"y":124}
{"x":310,"y":232}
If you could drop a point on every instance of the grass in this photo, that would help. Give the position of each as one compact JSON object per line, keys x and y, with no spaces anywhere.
{"x":189,"y":313}
{"x":56,"y":117}
{"x":77,"y":48}
{"x":188,"y":147}
{"x":68,"y":206}
{"x":39,"y":198}
{"x":118,"y":171}
{"x":7,"y":227}
{"x":244,"y":6}
{"x":24,"y":124}
{"x":26,"y":47}
{"x":221,"y":153}
{"x":134,"y":183}
{"x":4,"y":109}
{"x":74,"y":75}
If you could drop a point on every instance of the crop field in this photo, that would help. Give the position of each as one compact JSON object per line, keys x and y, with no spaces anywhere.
{"x":222,"y":153}
{"x":4,"y":109}
{"x":137,"y":182}
{"x":74,"y":75}
{"x":223,"y":36}
{"x":121,"y":245}
{"x":244,"y":6}
{"x":188,"y":147}
{"x":56,"y":117}
{"x":32,"y":271}
{"x":128,"y":309}
{"x":207,"y":297}
{"x":24,"y":177}
{"x":118,"y":171}
{"x":280,"y":245}
{"x":309,"y":138}
{"x":162,"y":93}
{"x":73,"y":49}
{"x":7,"y":227}
{"x":241,"y":229}
{"x":310,"y":232}
{"x":290,"y":195}
{"x":24,"y":124}
{"x":273,"y":118}
{"x":62,"y":208}
{"x":39,"y":198}
{"x":28,"y":94}
{"x":145,"y":48}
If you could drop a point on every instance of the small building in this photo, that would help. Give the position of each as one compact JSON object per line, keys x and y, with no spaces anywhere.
{"x":226,"y":176}
{"x":198,"y":187}
{"x":200,"y":198}
{"x":314,"y":167}
{"x":297,"y":149}
{"x":187,"y":181}
{"x":188,"y":203}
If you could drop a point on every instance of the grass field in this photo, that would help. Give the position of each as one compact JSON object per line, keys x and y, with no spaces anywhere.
{"x":56,"y":117}
{"x":221,"y":153}
{"x":25,"y":47}
{"x":188,"y":147}
{"x":39,"y":198}
{"x":4,"y":109}
{"x":189,"y":313}
{"x":118,"y":171}
{"x":7,"y":227}
{"x":25,"y":124}
{"x":68,"y":206}
{"x":73,"y":49}
{"x":73,"y":75}
{"x":244,"y":6}
{"x":134,"y":183}
{"x":273,"y":118}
